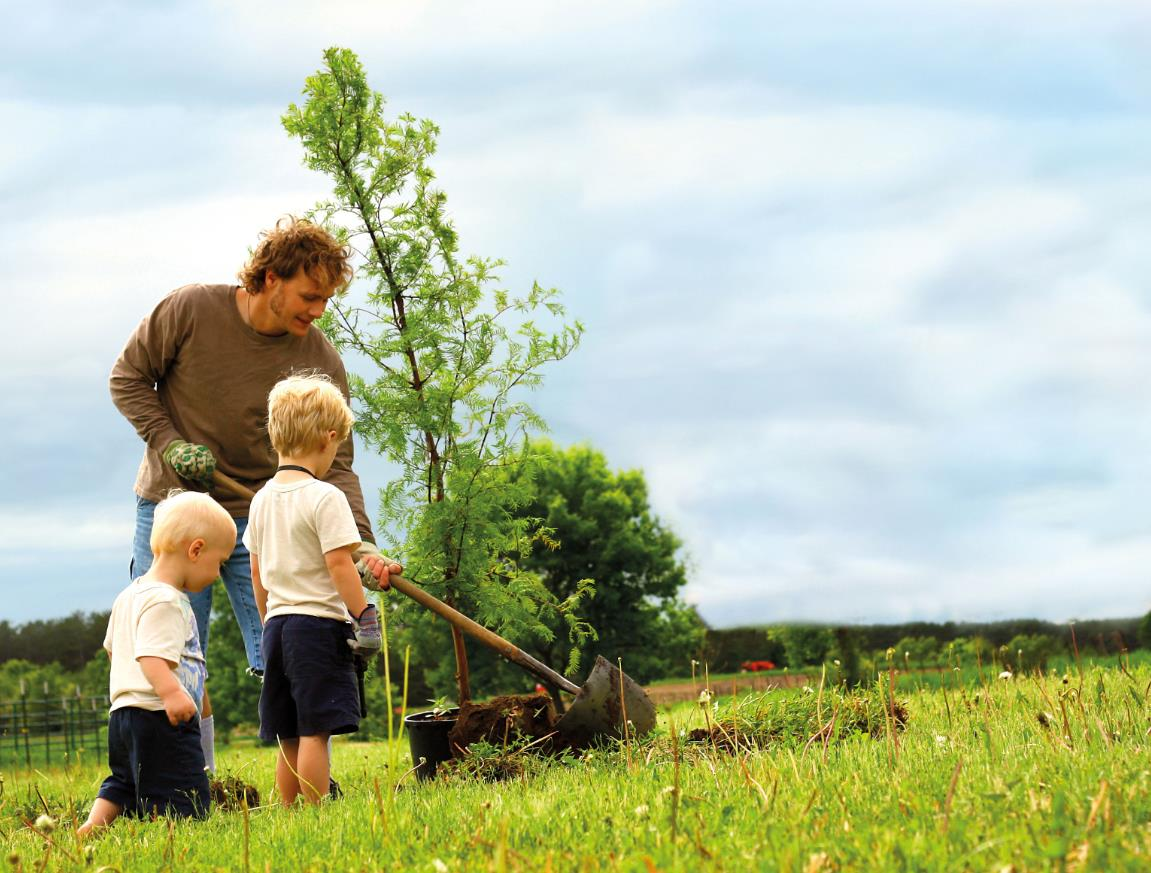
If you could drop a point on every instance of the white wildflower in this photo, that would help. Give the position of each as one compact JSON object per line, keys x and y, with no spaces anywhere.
{"x":705,"y":697}
{"x":439,"y":866}
{"x":45,"y":824}
{"x":641,"y":810}
{"x":1006,"y":674}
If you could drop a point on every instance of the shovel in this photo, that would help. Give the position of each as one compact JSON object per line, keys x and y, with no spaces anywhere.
{"x":609,"y":703}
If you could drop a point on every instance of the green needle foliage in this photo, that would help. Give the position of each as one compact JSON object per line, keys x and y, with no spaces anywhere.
{"x":452,"y":355}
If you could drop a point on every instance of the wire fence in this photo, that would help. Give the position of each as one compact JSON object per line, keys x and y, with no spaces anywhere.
{"x":52,"y":730}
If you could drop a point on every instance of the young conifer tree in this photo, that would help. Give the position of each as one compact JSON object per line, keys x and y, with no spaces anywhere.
{"x":451,"y":355}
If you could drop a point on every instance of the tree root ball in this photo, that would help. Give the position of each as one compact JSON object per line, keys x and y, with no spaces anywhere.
{"x":512,"y":719}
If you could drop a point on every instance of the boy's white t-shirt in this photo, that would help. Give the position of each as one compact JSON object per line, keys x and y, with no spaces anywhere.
{"x":290,"y":527}
{"x":151,"y":619}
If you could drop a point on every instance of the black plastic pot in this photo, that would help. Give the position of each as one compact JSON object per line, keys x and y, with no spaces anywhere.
{"x":428,"y":738}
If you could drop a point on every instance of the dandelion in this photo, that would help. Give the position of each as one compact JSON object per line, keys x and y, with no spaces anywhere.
{"x":940,"y":740}
{"x":45,"y":824}
{"x":836,"y":662}
{"x":439,"y":866}
{"x":641,"y":810}
{"x":705,"y":697}
{"x":1006,"y":674}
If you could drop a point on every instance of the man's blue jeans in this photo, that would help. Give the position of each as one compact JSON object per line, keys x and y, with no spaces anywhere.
{"x":237,"y":576}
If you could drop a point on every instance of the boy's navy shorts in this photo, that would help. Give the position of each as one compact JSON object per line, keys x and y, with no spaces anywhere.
{"x":309,"y":678}
{"x":157,"y":769}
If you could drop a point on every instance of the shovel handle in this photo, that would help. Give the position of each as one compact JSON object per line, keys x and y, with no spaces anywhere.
{"x":227,"y":483}
{"x":492,"y":640}
{"x":453,"y":616}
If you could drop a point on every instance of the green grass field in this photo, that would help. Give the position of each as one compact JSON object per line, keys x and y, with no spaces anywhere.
{"x":1048,"y":773}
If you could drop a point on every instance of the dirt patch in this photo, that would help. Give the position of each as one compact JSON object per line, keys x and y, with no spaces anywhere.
{"x":515,"y":719}
{"x":231,"y":793}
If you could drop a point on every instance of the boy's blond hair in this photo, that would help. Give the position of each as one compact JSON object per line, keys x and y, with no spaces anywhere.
{"x":302,"y":409}
{"x":184,"y":516}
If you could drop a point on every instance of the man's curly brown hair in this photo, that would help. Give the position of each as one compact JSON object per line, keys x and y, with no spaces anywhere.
{"x":295,"y":244}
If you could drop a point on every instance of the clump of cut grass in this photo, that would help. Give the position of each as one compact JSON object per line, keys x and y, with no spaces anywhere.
{"x":774,"y":719}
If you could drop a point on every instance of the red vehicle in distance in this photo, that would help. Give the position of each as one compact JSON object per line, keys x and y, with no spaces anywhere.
{"x":756,"y":666}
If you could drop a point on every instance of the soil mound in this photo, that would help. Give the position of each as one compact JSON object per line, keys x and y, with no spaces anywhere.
{"x":514,"y":719}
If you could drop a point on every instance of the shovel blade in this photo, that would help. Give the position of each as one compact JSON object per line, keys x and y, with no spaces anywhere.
{"x":605,"y":701}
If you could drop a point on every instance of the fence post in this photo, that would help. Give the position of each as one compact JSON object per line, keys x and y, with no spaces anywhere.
{"x":24,"y":724}
{"x":69,"y":728}
{"x":45,"y":720}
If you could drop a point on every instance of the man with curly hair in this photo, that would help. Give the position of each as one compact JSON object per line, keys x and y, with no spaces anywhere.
{"x":193,"y":380}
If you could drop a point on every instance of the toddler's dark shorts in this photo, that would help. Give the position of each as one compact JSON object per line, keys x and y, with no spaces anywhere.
{"x":309,"y":678}
{"x":157,"y":769}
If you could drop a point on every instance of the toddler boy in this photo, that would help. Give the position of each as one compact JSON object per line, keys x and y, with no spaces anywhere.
{"x":301,"y":535}
{"x":156,"y":681}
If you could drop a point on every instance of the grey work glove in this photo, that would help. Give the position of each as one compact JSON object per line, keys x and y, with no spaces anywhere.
{"x":369,"y":640}
{"x":190,"y":461}
{"x":367,"y":577}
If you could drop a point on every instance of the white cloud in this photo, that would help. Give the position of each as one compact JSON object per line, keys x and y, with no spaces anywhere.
{"x":70,"y":533}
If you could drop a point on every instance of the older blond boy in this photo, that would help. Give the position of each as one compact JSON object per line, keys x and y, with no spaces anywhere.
{"x":301,"y":535}
{"x":156,"y":681}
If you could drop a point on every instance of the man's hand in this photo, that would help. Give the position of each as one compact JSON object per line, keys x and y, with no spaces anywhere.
{"x":374,"y":568}
{"x":369,"y":640}
{"x":190,"y":461}
{"x":179,"y":707}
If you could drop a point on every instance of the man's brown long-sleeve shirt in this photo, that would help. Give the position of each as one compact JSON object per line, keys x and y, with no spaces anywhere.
{"x":193,"y":370}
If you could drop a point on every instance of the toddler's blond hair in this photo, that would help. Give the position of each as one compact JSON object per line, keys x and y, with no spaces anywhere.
{"x":184,"y":516}
{"x":302,"y":409}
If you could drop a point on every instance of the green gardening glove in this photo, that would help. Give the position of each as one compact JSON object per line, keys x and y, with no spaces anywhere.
{"x":190,"y":461}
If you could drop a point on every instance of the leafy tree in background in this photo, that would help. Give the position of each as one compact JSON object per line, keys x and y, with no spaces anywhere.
{"x":973,"y":651}
{"x":1031,"y":651}
{"x":451,"y":352}
{"x":851,"y":670}
{"x":1144,"y":634}
{"x":918,"y":651}
{"x":605,"y":531}
{"x":803,"y":645}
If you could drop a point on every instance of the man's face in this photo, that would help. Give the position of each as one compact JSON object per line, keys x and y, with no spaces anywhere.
{"x":296,"y":302}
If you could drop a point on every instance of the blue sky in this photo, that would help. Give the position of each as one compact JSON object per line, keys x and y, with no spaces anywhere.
{"x":866,"y":284}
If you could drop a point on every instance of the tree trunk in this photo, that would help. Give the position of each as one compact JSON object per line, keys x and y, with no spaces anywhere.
{"x":462,"y":681}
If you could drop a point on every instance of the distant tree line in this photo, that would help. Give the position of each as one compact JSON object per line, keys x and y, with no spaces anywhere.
{"x":73,"y":641}
{"x":70,"y":642}
{"x":922,"y":644}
